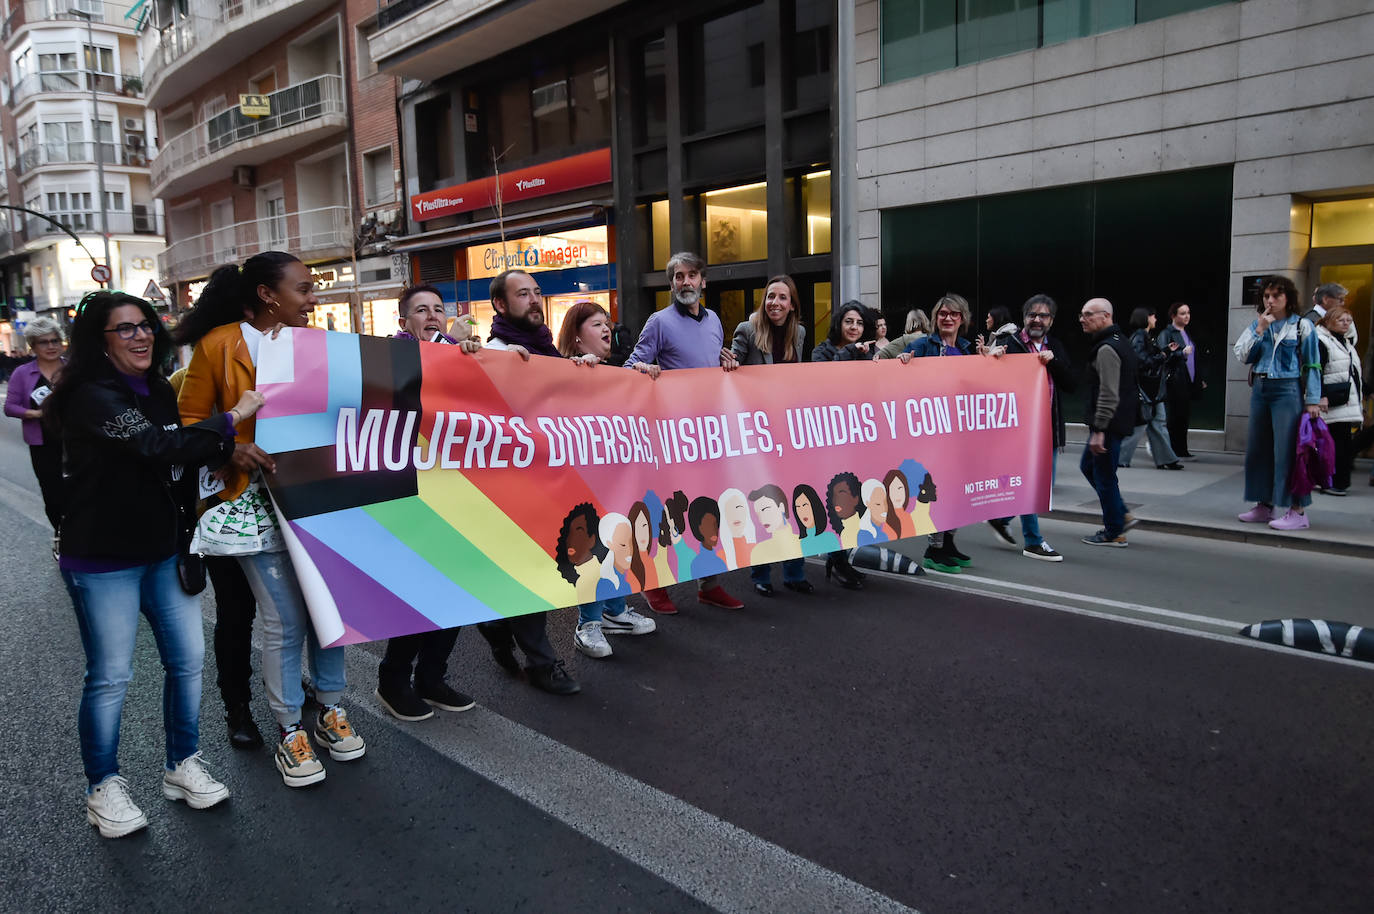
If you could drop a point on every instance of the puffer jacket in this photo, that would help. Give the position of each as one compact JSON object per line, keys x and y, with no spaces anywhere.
{"x":1341,"y":364}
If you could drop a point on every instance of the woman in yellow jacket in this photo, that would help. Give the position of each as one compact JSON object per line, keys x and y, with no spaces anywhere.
{"x":237,"y":308}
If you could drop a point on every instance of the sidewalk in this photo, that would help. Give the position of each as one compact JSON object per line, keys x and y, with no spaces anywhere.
{"x":1204,"y":499}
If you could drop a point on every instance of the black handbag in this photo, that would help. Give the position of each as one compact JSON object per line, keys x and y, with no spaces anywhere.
{"x":190,"y":565}
{"x":1336,"y":394}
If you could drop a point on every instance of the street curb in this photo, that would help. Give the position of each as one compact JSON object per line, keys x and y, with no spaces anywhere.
{"x":1258,"y":538}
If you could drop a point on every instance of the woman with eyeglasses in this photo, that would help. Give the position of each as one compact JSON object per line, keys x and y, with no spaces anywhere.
{"x":950,"y":316}
{"x":29,"y":387}
{"x":236,"y":310}
{"x":130,"y":472}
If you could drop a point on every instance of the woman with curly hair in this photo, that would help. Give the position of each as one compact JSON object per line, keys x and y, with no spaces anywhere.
{"x":843,"y":506}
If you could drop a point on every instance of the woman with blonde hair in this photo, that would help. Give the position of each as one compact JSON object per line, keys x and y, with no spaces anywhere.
{"x":1342,"y":388}
{"x":773,"y":334}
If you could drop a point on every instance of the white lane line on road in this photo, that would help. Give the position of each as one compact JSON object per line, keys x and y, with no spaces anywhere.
{"x":934,"y":580}
{"x":24,"y":501}
{"x":719,"y":864}
{"x":1100,"y":601}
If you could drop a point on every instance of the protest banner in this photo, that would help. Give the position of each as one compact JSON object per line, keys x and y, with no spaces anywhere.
{"x":421,"y":487}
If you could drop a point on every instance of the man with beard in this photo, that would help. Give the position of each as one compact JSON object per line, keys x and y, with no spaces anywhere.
{"x":686,"y":335}
{"x":519,"y":327}
{"x":1037,"y":315}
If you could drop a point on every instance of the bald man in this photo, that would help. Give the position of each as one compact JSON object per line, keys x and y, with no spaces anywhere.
{"x":1113,"y":406}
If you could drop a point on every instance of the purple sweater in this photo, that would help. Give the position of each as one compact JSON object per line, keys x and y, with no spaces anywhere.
{"x":22,"y":382}
{"x":674,"y":339}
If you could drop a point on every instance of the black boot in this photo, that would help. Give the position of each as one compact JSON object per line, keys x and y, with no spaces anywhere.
{"x":553,"y":678}
{"x":243,"y":732}
{"x":953,"y":552}
{"x":842,"y":572}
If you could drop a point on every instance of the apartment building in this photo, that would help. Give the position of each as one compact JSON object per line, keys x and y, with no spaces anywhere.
{"x":1149,"y":151}
{"x":75,"y":127}
{"x":584,"y":140}
{"x":257,"y":101}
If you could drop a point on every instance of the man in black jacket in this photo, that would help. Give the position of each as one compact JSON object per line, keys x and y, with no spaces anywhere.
{"x":1037,"y":315}
{"x":1113,"y":405}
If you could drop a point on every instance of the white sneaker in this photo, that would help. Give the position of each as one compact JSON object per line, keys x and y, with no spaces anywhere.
{"x":590,"y":641}
{"x":110,"y":808}
{"x":190,"y":780}
{"x":627,"y":623}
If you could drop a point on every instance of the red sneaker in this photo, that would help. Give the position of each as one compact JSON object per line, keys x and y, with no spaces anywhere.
{"x":716,"y":596}
{"x":660,"y":602}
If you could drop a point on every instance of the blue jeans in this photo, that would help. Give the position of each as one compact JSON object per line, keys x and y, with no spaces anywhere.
{"x":1100,"y":470}
{"x":1030,"y":523}
{"x":793,"y":572}
{"x":107,"y":607}
{"x":286,"y":629}
{"x":592,"y":612}
{"x":1275,"y":406}
{"x":1156,"y":426}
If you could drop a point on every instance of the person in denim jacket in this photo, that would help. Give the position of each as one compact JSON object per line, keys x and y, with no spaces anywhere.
{"x":1281,"y":349}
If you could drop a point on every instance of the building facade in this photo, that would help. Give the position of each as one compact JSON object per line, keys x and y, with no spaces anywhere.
{"x":75,"y":127}
{"x":587,"y":141}
{"x":1149,"y":151}
{"x":258,"y":105}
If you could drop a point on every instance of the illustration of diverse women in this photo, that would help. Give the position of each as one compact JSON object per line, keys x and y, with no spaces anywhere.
{"x":921,"y":521}
{"x":809,"y":511}
{"x":576,"y":555}
{"x":617,"y":534}
{"x":703,"y":517}
{"x":577,"y":560}
{"x":642,"y":567}
{"x":738,"y":536}
{"x":873,"y":525}
{"x":674,"y":528}
{"x":899,"y":497}
{"x":842,"y":508}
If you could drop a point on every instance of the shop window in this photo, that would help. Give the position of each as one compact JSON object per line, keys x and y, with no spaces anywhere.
{"x":736,"y":226}
{"x":591,"y":99}
{"x":815,"y":191}
{"x":735,"y":305}
{"x":651,"y":107}
{"x":724,"y":63}
{"x":333,"y":316}
{"x":659,"y":232}
{"x":662,"y":299}
{"x":1341,"y":222}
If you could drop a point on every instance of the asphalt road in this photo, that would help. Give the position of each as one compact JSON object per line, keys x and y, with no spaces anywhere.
{"x":1026,"y":737}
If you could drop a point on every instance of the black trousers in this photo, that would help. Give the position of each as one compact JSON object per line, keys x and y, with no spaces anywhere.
{"x":530,"y":632}
{"x":431,"y":649}
{"x":47,"y":468}
{"x":235,"y":609}
{"x":1178,"y":404}
{"x":1343,"y":435}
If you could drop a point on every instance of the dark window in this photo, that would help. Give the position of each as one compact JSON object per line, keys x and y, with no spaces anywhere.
{"x":514,"y":135}
{"x":811,"y":54}
{"x":434,"y":141}
{"x":724,"y":58}
{"x":651,"y":109}
{"x":591,"y":99}
{"x":993,"y":28}
{"x":549,"y":107}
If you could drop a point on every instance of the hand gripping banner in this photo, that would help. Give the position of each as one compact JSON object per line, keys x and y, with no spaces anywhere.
{"x":422,"y":488}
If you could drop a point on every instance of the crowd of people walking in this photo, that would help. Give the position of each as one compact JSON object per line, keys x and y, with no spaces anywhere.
{"x":109,"y":435}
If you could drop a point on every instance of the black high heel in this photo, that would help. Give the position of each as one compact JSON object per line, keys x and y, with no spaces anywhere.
{"x":848,"y":583}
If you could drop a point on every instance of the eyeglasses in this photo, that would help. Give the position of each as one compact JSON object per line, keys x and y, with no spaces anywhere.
{"x":53,"y":342}
{"x":1039,"y":316}
{"x":949,"y":314}
{"x":128,"y":331}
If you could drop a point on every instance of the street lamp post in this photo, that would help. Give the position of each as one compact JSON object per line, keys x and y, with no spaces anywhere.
{"x":95,"y":132}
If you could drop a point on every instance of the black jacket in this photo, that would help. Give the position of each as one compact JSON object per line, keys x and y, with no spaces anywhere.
{"x":1127,"y":409}
{"x":1061,"y":374}
{"x":1176,"y":380}
{"x":827,"y":351}
{"x":129,"y":469}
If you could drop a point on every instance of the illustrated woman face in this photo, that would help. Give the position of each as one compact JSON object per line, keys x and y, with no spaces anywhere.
{"x":580,"y":541}
{"x":770,"y":514}
{"x":621,"y":546}
{"x":425,"y":316}
{"x":877,"y":506}
{"x":852,"y":327}
{"x":594,"y":336}
{"x":710,"y":531}
{"x":896,"y":491}
{"x":845,"y":500}
{"x":777,"y":303}
{"x":805,"y":516}
{"x":642,"y":531}
{"x":736,"y":513}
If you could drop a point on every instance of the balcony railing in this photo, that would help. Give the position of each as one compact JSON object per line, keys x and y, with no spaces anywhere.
{"x":205,"y":25}
{"x":300,"y":233}
{"x":76,"y":81}
{"x":296,"y":104}
{"x":399,"y":9}
{"x":111,"y":13}
{"x":81,"y":154}
{"x":88,"y":222}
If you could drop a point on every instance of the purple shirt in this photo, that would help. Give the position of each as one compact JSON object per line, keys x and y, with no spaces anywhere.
{"x":1188,"y":342}
{"x":675,"y":339}
{"x":23,"y":382}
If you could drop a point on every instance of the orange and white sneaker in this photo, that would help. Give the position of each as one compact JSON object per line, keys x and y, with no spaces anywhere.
{"x":332,"y":732}
{"x":296,"y":760}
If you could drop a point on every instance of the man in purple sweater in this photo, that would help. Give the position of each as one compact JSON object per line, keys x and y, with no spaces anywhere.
{"x":684,"y":335}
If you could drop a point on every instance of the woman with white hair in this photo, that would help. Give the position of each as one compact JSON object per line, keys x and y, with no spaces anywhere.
{"x":875,"y":518}
{"x":29,"y":387}
{"x":737,"y":533}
